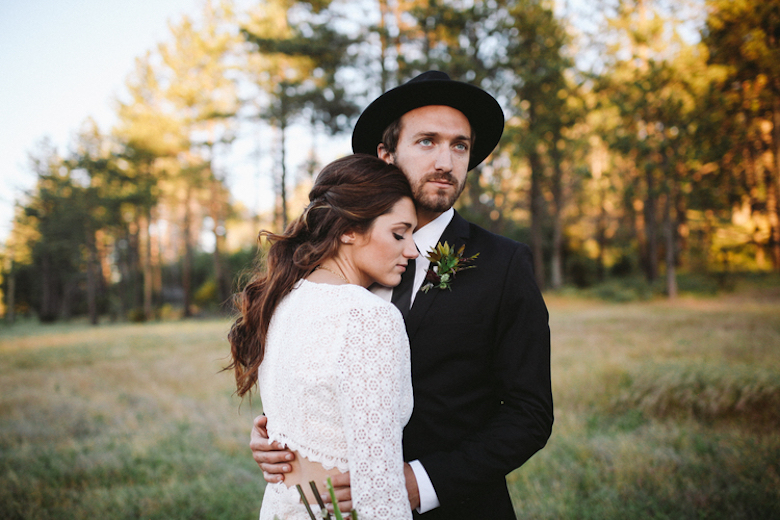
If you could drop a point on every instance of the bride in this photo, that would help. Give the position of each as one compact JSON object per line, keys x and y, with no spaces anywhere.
{"x":330,"y":358}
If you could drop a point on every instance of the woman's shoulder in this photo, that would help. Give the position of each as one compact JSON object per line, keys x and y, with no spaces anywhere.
{"x":347,"y":297}
{"x":365,"y":299}
{"x":362,"y":303}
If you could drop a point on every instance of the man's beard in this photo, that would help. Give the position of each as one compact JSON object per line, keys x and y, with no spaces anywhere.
{"x":440,"y":201}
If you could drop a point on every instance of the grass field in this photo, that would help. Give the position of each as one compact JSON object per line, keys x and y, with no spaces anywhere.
{"x":663,"y":410}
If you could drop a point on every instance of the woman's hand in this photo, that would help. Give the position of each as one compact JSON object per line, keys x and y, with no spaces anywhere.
{"x":270,"y":457}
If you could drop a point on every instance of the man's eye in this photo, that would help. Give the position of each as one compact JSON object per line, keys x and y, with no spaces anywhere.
{"x":462,"y":147}
{"x":426,"y":142}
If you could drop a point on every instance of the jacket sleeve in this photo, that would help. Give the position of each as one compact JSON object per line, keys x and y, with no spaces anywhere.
{"x":521,"y":364}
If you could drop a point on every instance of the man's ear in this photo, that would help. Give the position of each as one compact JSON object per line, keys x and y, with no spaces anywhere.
{"x":347,"y":238}
{"x":382,"y":153}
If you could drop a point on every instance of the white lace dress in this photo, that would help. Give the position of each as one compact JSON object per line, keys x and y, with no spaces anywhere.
{"x":336,"y":387}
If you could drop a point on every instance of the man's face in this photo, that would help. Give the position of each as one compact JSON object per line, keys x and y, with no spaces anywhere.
{"x":433,"y":151}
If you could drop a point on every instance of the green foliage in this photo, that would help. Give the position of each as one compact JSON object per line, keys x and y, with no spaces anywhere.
{"x":617,"y":130}
{"x":446,"y":262}
{"x":60,"y":221}
{"x":633,"y":287}
{"x":206,"y":293}
{"x":627,"y":289}
{"x":136,"y":315}
{"x":743,"y":44}
{"x":319,"y":53}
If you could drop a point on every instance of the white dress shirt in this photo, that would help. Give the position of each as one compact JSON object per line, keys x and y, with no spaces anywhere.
{"x":426,"y":239}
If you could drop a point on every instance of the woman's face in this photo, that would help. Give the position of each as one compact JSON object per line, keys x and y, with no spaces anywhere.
{"x":380,"y":255}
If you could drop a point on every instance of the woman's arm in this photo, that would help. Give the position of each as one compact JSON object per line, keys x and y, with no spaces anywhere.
{"x":375,"y":394}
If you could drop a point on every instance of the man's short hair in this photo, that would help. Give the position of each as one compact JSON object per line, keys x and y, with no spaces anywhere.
{"x":390,"y":135}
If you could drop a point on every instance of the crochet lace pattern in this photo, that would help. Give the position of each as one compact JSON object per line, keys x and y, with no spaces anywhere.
{"x":336,"y":387}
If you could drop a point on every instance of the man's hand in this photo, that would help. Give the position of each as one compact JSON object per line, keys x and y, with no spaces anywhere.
{"x":411,"y":486}
{"x":270,"y":457}
{"x":342,"y":490}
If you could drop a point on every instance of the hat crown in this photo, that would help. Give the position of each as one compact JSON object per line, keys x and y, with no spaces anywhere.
{"x":431,"y":75}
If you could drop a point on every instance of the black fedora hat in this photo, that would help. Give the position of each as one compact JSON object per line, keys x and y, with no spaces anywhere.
{"x":432,"y":88}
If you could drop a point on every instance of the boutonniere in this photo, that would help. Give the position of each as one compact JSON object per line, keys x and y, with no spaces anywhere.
{"x":445,"y":262}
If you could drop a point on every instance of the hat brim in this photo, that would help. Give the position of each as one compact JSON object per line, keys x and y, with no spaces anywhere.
{"x":480,"y":108}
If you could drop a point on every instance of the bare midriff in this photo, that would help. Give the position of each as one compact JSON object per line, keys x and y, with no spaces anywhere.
{"x":305,"y":471}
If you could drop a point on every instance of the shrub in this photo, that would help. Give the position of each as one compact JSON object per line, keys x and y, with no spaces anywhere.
{"x":136,"y":315}
{"x":704,"y":392}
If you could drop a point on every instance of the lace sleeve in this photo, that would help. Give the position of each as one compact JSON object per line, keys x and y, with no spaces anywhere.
{"x":376,"y":400}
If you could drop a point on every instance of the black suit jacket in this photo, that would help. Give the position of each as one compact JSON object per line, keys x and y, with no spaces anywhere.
{"x":481,"y":376}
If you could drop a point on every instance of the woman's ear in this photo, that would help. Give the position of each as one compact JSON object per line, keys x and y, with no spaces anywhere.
{"x":348,"y":238}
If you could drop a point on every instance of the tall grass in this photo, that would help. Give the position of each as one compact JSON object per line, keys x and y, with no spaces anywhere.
{"x":130,"y":421}
{"x":663,"y":410}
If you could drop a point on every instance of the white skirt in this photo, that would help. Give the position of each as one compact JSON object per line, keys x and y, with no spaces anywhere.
{"x":284,"y":503}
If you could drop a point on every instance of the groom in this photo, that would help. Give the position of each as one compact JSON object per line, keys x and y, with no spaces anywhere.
{"x":481,"y":347}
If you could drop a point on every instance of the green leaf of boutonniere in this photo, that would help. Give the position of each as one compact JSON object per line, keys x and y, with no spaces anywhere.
{"x":445,"y":262}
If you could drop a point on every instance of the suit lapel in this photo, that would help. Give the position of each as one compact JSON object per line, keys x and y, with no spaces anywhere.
{"x":456,"y":232}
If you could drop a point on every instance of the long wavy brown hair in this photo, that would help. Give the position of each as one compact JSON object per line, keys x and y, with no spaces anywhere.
{"x":348,"y":195}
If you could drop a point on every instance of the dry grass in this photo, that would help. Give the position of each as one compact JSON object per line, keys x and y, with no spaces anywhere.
{"x":662,"y":411}
{"x":124,"y":421}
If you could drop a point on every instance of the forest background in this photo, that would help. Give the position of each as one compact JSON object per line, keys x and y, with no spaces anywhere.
{"x":641,"y":154}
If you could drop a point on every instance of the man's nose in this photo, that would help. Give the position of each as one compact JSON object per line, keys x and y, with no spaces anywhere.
{"x":444,"y":159}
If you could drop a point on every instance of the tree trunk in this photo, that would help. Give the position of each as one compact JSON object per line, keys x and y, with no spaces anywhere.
{"x":186,"y":272}
{"x":156,"y":261}
{"x":671,"y":257}
{"x":537,"y":208}
{"x":774,"y":218}
{"x":146,"y":261}
{"x":601,"y":236}
{"x":217,"y":212}
{"x":69,"y":292}
{"x":219,"y":270}
{"x":773,"y":186}
{"x":651,"y":226}
{"x":92,"y":278}
{"x":384,"y":44}
{"x":134,"y":263}
{"x":556,"y":262}
{"x":10,"y":298}
{"x":120,"y":310}
{"x":283,"y":183}
{"x":49,"y":296}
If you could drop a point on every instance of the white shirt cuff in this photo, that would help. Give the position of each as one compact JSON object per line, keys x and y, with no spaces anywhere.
{"x":428,"y":498}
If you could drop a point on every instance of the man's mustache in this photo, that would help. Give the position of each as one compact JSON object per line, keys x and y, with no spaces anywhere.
{"x":441,"y":177}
